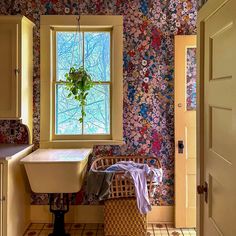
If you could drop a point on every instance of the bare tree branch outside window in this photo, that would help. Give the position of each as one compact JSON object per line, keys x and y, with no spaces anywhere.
{"x":91,"y":49}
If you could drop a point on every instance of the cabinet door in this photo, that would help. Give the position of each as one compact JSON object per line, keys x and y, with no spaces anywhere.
{"x":8,"y":71}
{"x":2,"y":199}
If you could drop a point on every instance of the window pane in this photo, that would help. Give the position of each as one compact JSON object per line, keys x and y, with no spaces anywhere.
{"x":97,"y":55}
{"x":97,"y":120}
{"x":67,"y":113}
{"x":69,"y":52}
{"x":191,"y":79}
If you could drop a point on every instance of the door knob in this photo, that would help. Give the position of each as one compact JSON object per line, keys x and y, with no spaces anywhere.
{"x":203,"y":189}
{"x":181,"y":146}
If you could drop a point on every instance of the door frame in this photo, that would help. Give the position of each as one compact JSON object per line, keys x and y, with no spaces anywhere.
{"x":182,"y":43}
{"x":207,"y":10}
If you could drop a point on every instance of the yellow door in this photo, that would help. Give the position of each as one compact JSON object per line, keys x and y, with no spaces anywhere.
{"x":185,"y":131}
{"x":217,"y":117}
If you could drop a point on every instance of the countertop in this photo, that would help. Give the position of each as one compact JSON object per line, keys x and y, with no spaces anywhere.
{"x":57,"y":155}
{"x":8,"y":151}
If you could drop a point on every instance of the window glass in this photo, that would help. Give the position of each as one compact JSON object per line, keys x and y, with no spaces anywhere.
{"x":91,"y":50}
{"x":68,"y":52}
{"x":191,"y":79}
{"x":67,"y":113}
{"x":97,"y":120}
{"x":97,"y":55}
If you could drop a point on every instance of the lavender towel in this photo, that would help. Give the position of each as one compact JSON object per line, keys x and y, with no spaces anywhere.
{"x":139,"y":174}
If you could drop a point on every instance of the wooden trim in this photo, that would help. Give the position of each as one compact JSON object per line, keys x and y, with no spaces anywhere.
{"x":183,"y":214}
{"x":78,"y":143}
{"x":94,"y":214}
{"x":85,"y":20}
{"x":46,"y":102}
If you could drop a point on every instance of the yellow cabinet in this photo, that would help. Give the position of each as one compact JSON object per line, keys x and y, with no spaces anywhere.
{"x":14,"y":190}
{"x":16,"y":69}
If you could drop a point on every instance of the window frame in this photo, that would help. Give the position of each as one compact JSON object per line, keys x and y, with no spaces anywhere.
{"x":55,"y":82}
{"x":49,"y":25}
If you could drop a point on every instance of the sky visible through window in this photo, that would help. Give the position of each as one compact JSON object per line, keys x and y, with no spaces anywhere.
{"x":91,"y":49}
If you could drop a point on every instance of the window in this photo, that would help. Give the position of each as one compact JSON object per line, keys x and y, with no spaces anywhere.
{"x":94,"y":48}
{"x":91,"y":50}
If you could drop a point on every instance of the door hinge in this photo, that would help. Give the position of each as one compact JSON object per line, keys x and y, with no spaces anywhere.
{"x":2,"y":199}
{"x":17,"y":71}
{"x":203,"y":189}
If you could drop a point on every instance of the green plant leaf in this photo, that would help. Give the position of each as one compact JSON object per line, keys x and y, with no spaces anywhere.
{"x":78,"y":84}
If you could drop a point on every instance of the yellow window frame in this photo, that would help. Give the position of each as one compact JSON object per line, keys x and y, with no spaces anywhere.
{"x":49,"y":25}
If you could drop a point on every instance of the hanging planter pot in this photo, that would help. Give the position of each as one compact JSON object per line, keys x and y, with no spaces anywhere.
{"x":79,"y":83}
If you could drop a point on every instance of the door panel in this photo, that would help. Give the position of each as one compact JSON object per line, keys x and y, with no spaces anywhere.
{"x":8,"y":77}
{"x":2,"y":200}
{"x":221,"y":57}
{"x":185,"y":130}
{"x":219,"y":118}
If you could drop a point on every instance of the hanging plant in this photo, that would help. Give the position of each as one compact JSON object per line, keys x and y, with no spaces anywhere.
{"x":78,"y":83}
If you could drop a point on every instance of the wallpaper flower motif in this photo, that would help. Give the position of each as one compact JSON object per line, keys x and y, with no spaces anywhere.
{"x":149,"y":29}
{"x":13,"y":132}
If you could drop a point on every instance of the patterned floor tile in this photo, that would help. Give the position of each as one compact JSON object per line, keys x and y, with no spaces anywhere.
{"x":160,"y":234}
{"x":91,"y":226}
{"x":100,"y":233}
{"x":175,"y":232}
{"x":193,"y":234}
{"x":186,"y":232}
{"x":45,"y":232}
{"x":36,"y":226}
{"x":76,"y":232}
{"x":163,"y":232}
{"x":68,"y":226}
{"x":48,"y":226}
{"x":89,"y":232}
{"x":97,"y":230}
{"x":189,"y":232}
{"x":77,"y":226}
{"x":170,"y":226}
{"x":32,"y":232}
{"x":150,"y":232}
{"x":149,"y":226}
{"x":159,"y":226}
{"x":101,"y":226}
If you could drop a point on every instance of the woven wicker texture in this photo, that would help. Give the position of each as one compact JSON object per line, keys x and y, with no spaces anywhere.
{"x":122,"y":218}
{"x":123,"y":186}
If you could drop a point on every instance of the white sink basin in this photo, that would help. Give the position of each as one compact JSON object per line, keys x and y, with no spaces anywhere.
{"x":56,"y":170}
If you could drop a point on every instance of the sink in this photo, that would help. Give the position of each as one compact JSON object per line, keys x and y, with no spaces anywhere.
{"x":56,"y":170}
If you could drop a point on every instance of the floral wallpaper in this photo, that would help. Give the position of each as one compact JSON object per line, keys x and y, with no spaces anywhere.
{"x":149,"y":29}
{"x":13,"y":132}
{"x":191,"y":79}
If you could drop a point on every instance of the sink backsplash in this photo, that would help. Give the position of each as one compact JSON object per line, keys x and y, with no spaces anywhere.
{"x":13,"y":131}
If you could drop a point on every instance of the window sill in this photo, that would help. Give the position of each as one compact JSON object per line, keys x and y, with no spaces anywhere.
{"x":78,"y":143}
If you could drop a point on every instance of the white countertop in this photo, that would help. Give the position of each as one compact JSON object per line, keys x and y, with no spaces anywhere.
{"x":57,"y":155}
{"x":8,"y":151}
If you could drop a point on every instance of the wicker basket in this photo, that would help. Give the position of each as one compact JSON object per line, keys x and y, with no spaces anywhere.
{"x":123,"y":186}
{"x":122,"y":218}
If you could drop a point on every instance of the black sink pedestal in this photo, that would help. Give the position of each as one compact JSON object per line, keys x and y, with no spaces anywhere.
{"x":59,"y":206}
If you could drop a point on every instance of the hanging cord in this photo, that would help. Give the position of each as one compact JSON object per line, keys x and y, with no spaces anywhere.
{"x":78,"y":30}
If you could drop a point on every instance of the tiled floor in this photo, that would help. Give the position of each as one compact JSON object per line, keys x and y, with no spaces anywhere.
{"x":97,"y":230}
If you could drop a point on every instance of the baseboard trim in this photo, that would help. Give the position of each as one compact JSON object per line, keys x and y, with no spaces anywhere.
{"x":94,"y":214}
